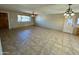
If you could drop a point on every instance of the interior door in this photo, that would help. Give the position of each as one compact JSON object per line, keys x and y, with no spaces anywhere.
{"x":3,"y":21}
{"x":68,"y":25}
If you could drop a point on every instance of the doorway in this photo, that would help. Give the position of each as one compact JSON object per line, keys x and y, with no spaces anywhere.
{"x":68,"y":25}
{"x":4,"y":21}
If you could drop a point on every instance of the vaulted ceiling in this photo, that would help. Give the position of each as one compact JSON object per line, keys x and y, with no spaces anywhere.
{"x":39,"y":8}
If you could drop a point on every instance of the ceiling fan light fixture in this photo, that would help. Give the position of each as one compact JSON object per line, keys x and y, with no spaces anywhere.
{"x":69,"y":11}
{"x":67,"y":15}
{"x":33,"y":14}
{"x":72,"y":14}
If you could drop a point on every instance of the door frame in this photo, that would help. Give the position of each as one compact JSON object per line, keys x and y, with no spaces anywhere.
{"x":7,"y":17}
{"x":65,"y":29}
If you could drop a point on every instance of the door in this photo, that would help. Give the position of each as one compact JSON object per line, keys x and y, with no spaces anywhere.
{"x":3,"y":21}
{"x":68,"y":25}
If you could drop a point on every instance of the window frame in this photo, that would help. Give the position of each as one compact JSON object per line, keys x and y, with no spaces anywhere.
{"x":77,"y":21}
{"x":21,"y":16}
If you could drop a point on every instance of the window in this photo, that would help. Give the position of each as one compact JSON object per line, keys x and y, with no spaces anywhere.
{"x":78,"y":21}
{"x":23,"y":18}
{"x":69,"y":21}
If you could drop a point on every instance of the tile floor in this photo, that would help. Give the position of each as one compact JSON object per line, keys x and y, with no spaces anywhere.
{"x":38,"y":41}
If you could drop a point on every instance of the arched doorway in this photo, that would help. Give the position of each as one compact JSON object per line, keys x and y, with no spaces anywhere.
{"x":69,"y":25}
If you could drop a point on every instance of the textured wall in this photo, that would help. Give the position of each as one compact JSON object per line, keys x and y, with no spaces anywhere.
{"x":53,"y":21}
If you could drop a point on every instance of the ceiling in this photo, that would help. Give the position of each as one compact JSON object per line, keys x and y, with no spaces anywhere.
{"x":39,"y":8}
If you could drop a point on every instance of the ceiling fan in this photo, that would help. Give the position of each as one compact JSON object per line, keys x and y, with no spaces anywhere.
{"x":33,"y":14}
{"x":69,"y":11}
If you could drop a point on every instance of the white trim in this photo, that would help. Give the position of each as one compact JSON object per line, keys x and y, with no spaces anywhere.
{"x":0,"y":47}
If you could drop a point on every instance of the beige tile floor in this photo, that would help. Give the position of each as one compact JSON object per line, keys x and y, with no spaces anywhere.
{"x":39,"y":41}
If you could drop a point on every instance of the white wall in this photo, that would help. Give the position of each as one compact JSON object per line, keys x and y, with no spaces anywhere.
{"x":53,"y":21}
{"x":12,"y":19}
{"x":77,"y":16}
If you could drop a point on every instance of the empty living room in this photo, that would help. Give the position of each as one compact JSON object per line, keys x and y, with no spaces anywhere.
{"x":39,"y":29}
